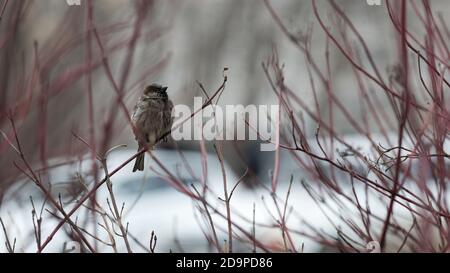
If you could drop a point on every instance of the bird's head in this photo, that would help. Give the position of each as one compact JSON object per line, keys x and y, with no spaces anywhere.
{"x":155,"y":90}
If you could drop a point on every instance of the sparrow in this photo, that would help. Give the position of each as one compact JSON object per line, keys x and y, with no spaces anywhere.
{"x":151,"y":119}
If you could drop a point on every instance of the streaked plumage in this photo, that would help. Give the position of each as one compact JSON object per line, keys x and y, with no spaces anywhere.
{"x":151,"y":119}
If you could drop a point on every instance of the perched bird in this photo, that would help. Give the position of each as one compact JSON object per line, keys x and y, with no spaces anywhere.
{"x":152,"y":117}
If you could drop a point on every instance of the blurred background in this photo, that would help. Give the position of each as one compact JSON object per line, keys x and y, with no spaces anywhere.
{"x":52,"y":62}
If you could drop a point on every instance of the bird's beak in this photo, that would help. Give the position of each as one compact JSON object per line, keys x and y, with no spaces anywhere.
{"x":164,"y":88}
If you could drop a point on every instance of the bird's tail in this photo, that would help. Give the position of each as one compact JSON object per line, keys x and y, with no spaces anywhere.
{"x":139,"y":164}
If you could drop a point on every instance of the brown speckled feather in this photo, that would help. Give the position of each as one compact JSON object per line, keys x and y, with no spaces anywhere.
{"x":151,"y":119}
